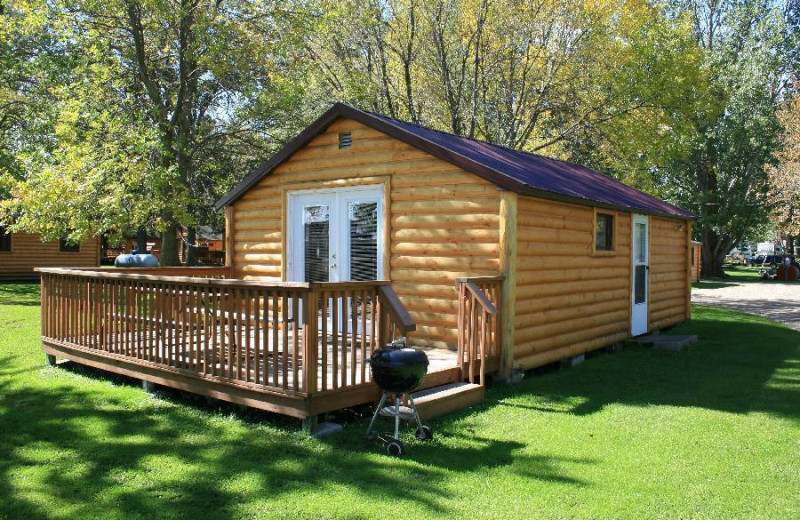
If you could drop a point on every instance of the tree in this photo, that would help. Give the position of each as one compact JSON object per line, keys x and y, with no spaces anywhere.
{"x":556,"y":76}
{"x":784,"y":176}
{"x":750,"y":54}
{"x":161,"y":98}
{"x":29,"y":57}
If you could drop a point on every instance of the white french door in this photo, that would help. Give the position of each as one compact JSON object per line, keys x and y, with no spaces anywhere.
{"x":335,"y":235}
{"x":640,"y":274}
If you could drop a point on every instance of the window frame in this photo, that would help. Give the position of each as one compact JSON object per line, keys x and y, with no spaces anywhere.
{"x":614,"y":229}
{"x":4,"y":233}
{"x":63,"y":247}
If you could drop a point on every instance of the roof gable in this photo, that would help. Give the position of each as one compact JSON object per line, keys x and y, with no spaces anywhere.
{"x":521,"y":172}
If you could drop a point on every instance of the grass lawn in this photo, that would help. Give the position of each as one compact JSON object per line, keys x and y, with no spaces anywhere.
{"x":713,"y":432}
{"x":734,"y":274}
{"x":743,"y":273}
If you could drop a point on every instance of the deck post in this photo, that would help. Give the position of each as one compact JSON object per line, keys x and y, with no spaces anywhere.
{"x":309,"y":424}
{"x":310,"y":341}
{"x":51,"y":359}
{"x":508,"y":269}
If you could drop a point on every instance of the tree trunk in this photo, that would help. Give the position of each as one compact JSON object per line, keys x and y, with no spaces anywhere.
{"x":191,"y":250}
{"x":712,"y":264}
{"x":715,"y":248}
{"x":169,"y":246}
{"x":141,"y":241}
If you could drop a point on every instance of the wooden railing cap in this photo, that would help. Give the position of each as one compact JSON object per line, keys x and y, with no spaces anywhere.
{"x":149,"y":275}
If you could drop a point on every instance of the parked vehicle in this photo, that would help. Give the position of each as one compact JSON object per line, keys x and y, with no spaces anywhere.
{"x":762,"y":260}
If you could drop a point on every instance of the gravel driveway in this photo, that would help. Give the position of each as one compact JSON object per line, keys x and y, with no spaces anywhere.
{"x":779,"y":301}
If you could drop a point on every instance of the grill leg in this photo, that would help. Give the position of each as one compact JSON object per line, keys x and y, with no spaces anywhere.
{"x":414,"y":409}
{"x":396,"y":416}
{"x":377,"y":411}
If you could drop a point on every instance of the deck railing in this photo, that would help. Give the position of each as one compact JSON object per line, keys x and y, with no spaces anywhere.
{"x":292,"y":338}
{"x":478,"y":323}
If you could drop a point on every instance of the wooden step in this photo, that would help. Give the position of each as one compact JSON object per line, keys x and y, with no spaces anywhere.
{"x":441,"y":377}
{"x":444,"y":399}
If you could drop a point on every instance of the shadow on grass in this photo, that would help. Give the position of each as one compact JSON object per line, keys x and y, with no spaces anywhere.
{"x":199,"y":402}
{"x":739,"y":366}
{"x":99,"y":448}
{"x":92,"y":449}
{"x":19,"y":293}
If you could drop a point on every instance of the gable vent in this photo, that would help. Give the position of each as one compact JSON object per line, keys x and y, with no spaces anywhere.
{"x":345,"y":140}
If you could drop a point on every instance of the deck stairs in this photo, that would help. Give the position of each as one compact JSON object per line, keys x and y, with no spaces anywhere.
{"x":444,"y":399}
{"x":440,"y":400}
{"x":440,"y":394}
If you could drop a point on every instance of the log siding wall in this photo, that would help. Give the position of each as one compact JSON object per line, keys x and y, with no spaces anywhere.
{"x":669,"y":271}
{"x":28,"y":252}
{"x":443,"y":221}
{"x":568,"y":300}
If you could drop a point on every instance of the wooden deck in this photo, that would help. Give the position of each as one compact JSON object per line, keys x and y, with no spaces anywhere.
{"x":293,"y":348}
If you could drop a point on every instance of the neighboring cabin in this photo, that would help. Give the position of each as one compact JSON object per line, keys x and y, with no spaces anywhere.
{"x":697,"y":260}
{"x":587,"y":261}
{"x":20,"y":253}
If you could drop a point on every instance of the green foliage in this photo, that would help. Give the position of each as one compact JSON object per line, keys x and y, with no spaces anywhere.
{"x":156,"y":111}
{"x":117,"y":116}
{"x":750,"y":56}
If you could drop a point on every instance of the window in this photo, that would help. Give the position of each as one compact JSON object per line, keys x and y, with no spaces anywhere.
{"x":604,"y":232}
{"x":68,"y":247}
{"x":345,"y":139}
{"x":5,"y":240}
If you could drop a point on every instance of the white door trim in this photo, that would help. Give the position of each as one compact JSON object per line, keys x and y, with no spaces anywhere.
{"x":639,"y":311}
{"x":339,"y":248}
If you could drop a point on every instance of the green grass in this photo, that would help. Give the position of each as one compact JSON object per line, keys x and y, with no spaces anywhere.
{"x":734,"y":274}
{"x":712,"y":432}
{"x":743,"y":273}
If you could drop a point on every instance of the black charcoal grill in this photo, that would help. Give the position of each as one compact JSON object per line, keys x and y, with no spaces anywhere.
{"x":398,"y":370}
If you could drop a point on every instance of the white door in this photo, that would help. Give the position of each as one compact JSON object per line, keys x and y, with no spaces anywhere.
{"x":335,"y":235}
{"x":641,"y":268}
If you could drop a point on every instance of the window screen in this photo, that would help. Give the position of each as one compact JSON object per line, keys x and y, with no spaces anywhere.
{"x":316,"y":230}
{"x":363,"y":218}
{"x":640,"y":243}
{"x":604,"y":240}
{"x":640,"y":284}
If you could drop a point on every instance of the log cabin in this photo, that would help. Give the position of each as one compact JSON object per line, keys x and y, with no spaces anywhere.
{"x":365,"y":228}
{"x":696,"y":261}
{"x":21,"y":253}
{"x":586,"y":261}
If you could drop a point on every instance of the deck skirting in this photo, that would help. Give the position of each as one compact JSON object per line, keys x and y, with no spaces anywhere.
{"x":293,"y":405}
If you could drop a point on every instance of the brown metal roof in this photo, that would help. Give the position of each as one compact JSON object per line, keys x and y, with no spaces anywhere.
{"x":514,"y":170}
